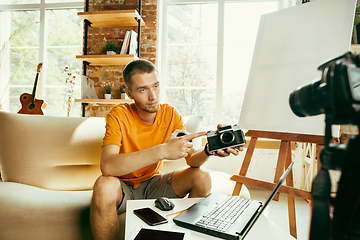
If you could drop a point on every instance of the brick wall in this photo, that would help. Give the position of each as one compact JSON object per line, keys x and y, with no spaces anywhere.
{"x":99,"y":37}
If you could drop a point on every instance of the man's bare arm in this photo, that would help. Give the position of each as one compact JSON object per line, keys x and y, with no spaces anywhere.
{"x":115,"y":164}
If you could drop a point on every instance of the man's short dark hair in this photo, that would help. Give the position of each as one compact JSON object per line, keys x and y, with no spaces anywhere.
{"x":137,"y":67}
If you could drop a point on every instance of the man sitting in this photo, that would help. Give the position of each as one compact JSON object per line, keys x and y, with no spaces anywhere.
{"x":138,"y":137}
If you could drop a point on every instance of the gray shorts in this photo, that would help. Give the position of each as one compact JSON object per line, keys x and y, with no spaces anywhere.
{"x":158,"y":186}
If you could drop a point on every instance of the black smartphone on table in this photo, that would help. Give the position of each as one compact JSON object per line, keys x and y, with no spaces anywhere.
{"x":149,"y":216}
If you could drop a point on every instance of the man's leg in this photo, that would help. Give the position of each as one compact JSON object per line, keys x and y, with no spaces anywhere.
{"x":107,"y":196}
{"x":194,"y":181}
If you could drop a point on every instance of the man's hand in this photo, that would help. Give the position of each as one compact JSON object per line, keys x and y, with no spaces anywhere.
{"x":180,"y":147}
{"x":228,"y":151}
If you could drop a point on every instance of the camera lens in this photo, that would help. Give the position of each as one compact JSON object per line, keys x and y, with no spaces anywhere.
{"x":307,"y":100}
{"x":227,"y":137}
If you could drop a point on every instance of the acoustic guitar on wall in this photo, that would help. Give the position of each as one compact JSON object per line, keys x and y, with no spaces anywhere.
{"x":31,"y":105}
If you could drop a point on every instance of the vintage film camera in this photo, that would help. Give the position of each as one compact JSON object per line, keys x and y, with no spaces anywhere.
{"x":337,"y":95}
{"x":226,"y":136}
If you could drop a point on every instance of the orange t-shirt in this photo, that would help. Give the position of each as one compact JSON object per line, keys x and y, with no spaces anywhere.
{"x":125,"y":129}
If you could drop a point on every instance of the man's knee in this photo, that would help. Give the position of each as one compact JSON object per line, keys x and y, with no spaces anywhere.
{"x":195,"y":181}
{"x":200,"y":178}
{"x":203,"y":176}
{"x":201,"y":185}
{"x":107,"y":191}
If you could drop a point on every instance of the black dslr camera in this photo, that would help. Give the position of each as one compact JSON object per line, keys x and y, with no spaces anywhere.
{"x":337,"y":94}
{"x":226,"y":136}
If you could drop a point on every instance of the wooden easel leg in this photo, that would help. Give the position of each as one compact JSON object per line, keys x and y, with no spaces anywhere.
{"x":290,"y":198}
{"x":292,"y":215}
{"x":280,"y":166}
{"x":245,"y":165}
{"x":319,"y":148}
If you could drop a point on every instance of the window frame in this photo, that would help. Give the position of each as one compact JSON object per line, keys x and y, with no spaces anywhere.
{"x":42,"y":7}
{"x":162,"y":42}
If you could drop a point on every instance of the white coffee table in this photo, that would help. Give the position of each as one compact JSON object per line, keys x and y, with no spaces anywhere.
{"x":263,"y":228}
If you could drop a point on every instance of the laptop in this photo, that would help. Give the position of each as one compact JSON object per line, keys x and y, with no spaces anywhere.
{"x":223,"y":216}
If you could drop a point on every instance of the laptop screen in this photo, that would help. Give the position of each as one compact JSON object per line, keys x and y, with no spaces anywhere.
{"x":262,"y":208}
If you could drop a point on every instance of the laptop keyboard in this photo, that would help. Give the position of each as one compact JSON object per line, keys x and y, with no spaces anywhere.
{"x":223,"y":215}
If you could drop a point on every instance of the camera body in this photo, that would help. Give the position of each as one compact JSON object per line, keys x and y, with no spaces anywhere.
{"x":337,"y":92}
{"x":226,"y":136}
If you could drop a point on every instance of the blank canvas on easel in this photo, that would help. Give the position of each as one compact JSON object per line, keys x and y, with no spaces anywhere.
{"x":291,"y":44}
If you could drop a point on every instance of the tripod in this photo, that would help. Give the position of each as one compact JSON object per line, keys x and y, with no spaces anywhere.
{"x":345,"y":223}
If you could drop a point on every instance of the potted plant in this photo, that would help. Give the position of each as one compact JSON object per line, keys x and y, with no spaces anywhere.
{"x":108,"y":88}
{"x":111,"y":48}
{"x":123,"y":94}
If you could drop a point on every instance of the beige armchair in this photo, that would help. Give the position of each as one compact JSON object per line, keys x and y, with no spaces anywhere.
{"x":48,"y":166}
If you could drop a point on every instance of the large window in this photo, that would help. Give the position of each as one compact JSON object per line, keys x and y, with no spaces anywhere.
{"x":39,"y":31}
{"x":206,"y":55}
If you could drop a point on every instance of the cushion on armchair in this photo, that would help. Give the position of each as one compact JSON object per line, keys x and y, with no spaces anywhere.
{"x":69,"y":161}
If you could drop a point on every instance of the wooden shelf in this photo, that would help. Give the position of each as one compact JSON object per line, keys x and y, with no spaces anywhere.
{"x":117,"y":18}
{"x":98,"y":60}
{"x":104,"y":101}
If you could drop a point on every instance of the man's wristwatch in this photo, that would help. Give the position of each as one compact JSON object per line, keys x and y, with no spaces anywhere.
{"x":206,"y":150}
